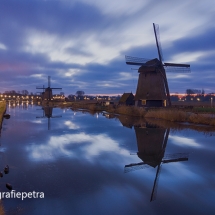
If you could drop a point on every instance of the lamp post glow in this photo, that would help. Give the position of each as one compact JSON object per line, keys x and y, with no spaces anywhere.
{"x":211,"y":101}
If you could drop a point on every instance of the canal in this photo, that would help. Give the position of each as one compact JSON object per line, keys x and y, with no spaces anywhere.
{"x":97,"y":164}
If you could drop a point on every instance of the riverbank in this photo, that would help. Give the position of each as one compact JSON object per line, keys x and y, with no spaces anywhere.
{"x":175,"y":115}
{"x":97,"y":107}
{"x":200,"y":115}
{"x":2,"y":111}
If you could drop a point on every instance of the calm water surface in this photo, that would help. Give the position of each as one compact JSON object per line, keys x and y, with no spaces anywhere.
{"x":88,"y":164}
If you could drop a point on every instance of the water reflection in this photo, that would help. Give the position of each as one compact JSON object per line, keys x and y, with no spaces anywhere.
{"x":21,"y":104}
{"x":80,"y":161}
{"x":47,"y":113}
{"x":151,"y":144}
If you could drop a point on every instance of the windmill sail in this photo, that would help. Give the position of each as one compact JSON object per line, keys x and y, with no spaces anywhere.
{"x":175,"y":157}
{"x":177,"y":69}
{"x":166,"y":86}
{"x":155,"y":185}
{"x":135,"y":166}
{"x":135,"y":60}
{"x":157,"y":38}
{"x":177,"y":65}
{"x":158,"y":43}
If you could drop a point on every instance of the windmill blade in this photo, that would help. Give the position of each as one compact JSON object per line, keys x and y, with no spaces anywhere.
{"x":175,"y":160}
{"x":135,"y":166}
{"x":165,"y":139}
{"x":176,"y":155}
{"x":177,"y":65}
{"x":49,"y":81}
{"x":155,"y":185}
{"x":177,"y":69}
{"x":163,"y":73}
{"x":40,"y":117}
{"x":135,"y":60}
{"x":157,"y":38}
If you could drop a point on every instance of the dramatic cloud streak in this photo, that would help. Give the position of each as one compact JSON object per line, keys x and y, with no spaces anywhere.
{"x":82,"y":43}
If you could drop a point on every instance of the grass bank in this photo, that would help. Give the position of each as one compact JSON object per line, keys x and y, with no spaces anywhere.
{"x":204,"y":110}
{"x":197,"y":115}
{"x":2,"y":110}
{"x":175,"y":115}
{"x":95,"y":106}
{"x":127,"y":110}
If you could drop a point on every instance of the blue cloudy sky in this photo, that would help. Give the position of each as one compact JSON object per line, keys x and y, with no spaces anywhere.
{"x":82,"y":44}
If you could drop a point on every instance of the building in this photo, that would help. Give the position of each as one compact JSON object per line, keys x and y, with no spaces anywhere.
{"x":151,"y":90}
{"x":127,"y":99}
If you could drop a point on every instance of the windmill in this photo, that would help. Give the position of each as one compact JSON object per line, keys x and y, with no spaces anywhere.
{"x":47,"y":94}
{"x":47,"y":113}
{"x":152,"y":88}
{"x":151,"y":142}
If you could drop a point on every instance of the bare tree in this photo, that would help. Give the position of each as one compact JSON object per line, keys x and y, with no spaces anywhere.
{"x":25,"y":92}
{"x":80,"y":93}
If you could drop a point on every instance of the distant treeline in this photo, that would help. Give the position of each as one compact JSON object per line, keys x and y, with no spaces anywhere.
{"x":194,"y":91}
{"x":20,"y":92}
{"x":23,"y":92}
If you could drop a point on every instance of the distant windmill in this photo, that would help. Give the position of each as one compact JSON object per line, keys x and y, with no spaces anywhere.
{"x":151,"y":144}
{"x":47,"y":113}
{"x":152,"y":89}
{"x":47,"y":95}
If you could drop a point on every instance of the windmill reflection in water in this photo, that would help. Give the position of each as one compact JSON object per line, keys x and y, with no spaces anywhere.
{"x":151,"y":143}
{"x":47,"y":113}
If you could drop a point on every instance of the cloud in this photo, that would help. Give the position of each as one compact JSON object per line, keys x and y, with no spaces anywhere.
{"x":37,"y":121}
{"x":71,"y":125}
{"x":3,"y":47}
{"x":84,"y":42}
{"x":89,"y":146}
{"x":184,"y":141}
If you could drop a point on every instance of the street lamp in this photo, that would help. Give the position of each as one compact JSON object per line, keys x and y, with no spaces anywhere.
{"x":211,"y":101}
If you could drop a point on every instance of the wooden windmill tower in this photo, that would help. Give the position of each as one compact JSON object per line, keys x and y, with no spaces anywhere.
{"x":152,"y":88}
{"x":151,"y":143}
{"x":47,"y":94}
{"x":47,"y":113}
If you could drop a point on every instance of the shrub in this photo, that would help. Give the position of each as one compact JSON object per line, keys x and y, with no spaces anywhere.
{"x":131,"y":110}
{"x":171,"y":115}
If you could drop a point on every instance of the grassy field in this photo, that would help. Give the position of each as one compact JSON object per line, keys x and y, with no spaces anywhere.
{"x":194,"y":104}
{"x":204,"y":110}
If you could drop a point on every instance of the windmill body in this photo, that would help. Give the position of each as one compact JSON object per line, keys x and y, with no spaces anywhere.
{"x":151,"y":151}
{"x":152,"y":88}
{"x":47,"y":95}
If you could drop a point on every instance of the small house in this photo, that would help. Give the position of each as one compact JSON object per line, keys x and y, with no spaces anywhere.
{"x":127,"y":99}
